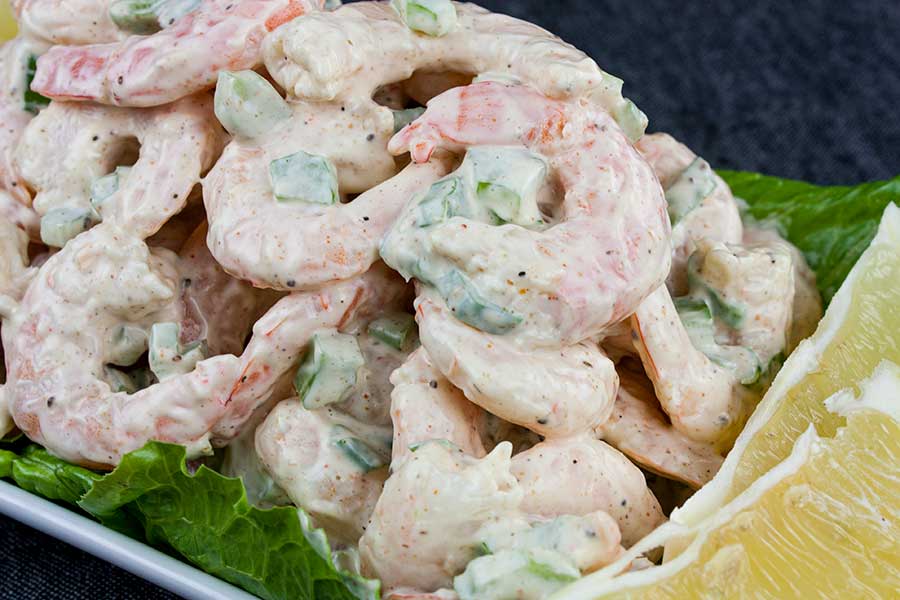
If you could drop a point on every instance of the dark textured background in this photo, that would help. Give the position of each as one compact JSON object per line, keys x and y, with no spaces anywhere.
{"x":806,"y":89}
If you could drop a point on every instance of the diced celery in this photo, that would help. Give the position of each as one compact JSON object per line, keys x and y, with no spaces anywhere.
{"x":507,"y":181}
{"x":431,"y":17}
{"x":31,"y":100}
{"x":694,"y":184}
{"x":440,"y":441}
{"x":104,"y":187}
{"x":631,"y":119}
{"x":468,"y":306}
{"x":119,"y":381}
{"x":247,"y":105}
{"x":356,"y":450}
{"x":404,"y":117}
{"x":395,"y":330}
{"x":328,"y":370}
{"x":303,"y":177}
{"x":136,"y":16}
{"x":697,"y":318}
{"x":522,"y":574}
{"x":127,"y":345}
{"x":445,"y":199}
{"x":62,"y":224}
{"x":167,"y":356}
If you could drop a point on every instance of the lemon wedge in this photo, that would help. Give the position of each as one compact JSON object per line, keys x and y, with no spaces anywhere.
{"x":806,"y":503}
{"x":7,"y":23}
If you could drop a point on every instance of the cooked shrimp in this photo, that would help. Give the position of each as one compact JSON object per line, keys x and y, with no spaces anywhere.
{"x":16,"y":111}
{"x":15,"y":273}
{"x":641,"y":431}
{"x":806,"y":311}
{"x":182,"y":59}
{"x":700,"y":203}
{"x":551,"y":391}
{"x":579,"y":475}
{"x":301,"y":451}
{"x":281,"y":335}
{"x":425,"y":406}
{"x":567,"y":283}
{"x":482,"y":42}
{"x":426,"y":524}
{"x":75,"y":22}
{"x":304,"y":245}
{"x":59,"y":341}
{"x":173,"y":146}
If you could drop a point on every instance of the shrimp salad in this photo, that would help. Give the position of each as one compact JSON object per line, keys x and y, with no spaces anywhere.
{"x":413,"y":267}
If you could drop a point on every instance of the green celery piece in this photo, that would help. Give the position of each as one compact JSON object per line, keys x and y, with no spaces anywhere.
{"x":32,"y":101}
{"x":357,"y":450}
{"x":127,"y":345}
{"x":431,"y":17}
{"x":394,"y":330}
{"x":507,"y":181}
{"x":631,"y":119}
{"x":206,"y":519}
{"x":60,"y":225}
{"x":247,"y":105}
{"x":467,"y":305}
{"x":831,"y":225}
{"x":168,"y":357}
{"x":528,"y":574}
{"x":303,"y":177}
{"x":136,"y":16}
{"x":328,"y":369}
{"x":445,"y":199}
{"x":686,"y":193}
{"x":104,"y":187}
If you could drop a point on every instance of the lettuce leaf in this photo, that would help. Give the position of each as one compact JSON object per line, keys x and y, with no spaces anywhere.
{"x":202,"y":517}
{"x":831,"y":225}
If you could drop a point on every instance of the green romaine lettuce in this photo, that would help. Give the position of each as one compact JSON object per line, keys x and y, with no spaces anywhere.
{"x":831,"y":225}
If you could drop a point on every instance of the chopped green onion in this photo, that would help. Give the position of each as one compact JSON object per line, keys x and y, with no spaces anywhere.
{"x":328,"y":371}
{"x":404,"y":117}
{"x":357,"y":451}
{"x":631,"y":119}
{"x":694,"y":184}
{"x":247,"y":105}
{"x":394,"y":330}
{"x":167,"y":356}
{"x":303,"y":177}
{"x":507,"y":181}
{"x":431,"y":17}
{"x":471,"y":308}
{"x":32,"y":101}
{"x":62,"y":224}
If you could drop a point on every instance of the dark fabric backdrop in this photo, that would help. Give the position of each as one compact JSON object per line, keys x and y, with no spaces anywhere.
{"x":808,"y":89}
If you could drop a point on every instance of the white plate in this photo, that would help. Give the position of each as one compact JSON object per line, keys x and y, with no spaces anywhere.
{"x":122,"y":551}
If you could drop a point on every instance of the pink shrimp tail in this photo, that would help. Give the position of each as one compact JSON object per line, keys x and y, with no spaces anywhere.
{"x":479,"y":114}
{"x":73,"y":72}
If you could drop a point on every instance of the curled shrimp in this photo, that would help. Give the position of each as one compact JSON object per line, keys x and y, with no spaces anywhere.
{"x":74,"y":22}
{"x":701,"y":204}
{"x":482,"y":42}
{"x":579,"y":475}
{"x":298,"y":245}
{"x":59,"y":342}
{"x":702,"y":389}
{"x":281,"y":335}
{"x":170,"y":147}
{"x":641,"y":431}
{"x":608,"y":251}
{"x":552,"y":391}
{"x":184,"y":58}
